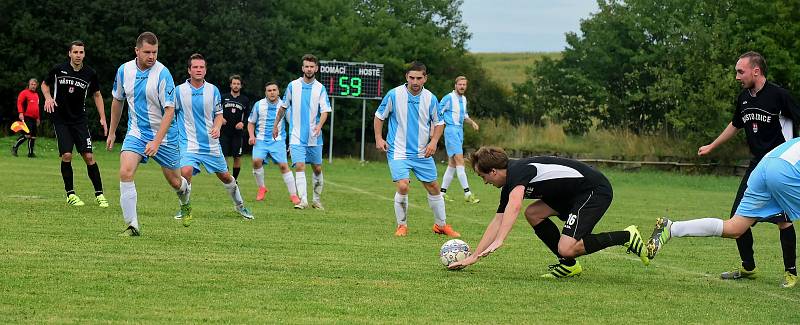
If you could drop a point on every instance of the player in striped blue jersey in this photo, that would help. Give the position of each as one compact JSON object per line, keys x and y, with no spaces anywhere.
{"x":147,"y":86}
{"x":454,"y":113}
{"x":306,"y":105}
{"x":259,"y":126}
{"x":414,"y":131}
{"x":199,"y":110}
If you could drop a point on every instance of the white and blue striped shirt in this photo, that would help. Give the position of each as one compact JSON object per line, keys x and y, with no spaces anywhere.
{"x":305,"y":104}
{"x":147,"y":93}
{"x":453,"y":109}
{"x":411,"y":121}
{"x":263,"y":118}
{"x":196,"y":109}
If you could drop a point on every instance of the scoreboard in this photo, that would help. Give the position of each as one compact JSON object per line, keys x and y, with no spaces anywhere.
{"x":352,"y":79}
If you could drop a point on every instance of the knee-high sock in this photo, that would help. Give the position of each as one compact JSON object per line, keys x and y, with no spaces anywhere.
{"x":436,"y":202}
{"x":184,"y":192}
{"x":317,"y":182}
{"x":462,"y":178}
{"x":233,"y":191}
{"x":66,"y":175}
{"x":127,"y":200}
{"x":548,"y":233}
{"x":746,"y":253}
{"x":705,"y":227}
{"x":789,"y":247}
{"x":31,"y":143}
{"x":259,"y":174}
{"x":94,"y":175}
{"x":401,"y":208}
{"x":447,"y":178}
{"x":19,"y":142}
{"x":595,"y":242}
{"x":300,"y":179}
{"x":288,"y":178}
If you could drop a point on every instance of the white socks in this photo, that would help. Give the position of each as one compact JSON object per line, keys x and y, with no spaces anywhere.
{"x":448,"y":177}
{"x":184,"y":192}
{"x":259,"y":174}
{"x":462,"y":178}
{"x":704,"y":227}
{"x":233,"y":191}
{"x":127,"y":200}
{"x":317,"y":183}
{"x":288,"y":178}
{"x":436,"y":202}
{"x":400,"y":208}
{"x":300,"y":179}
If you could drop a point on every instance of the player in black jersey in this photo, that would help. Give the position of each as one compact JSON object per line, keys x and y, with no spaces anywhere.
{"x":235,"y":110}
{"x":571,"y":190}
{"x":70,"y":83}
{"x":767,"y":113}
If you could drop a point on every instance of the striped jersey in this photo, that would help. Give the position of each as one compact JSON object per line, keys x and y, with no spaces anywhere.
{"x":454,"y":109}
{"x":304,"y":104}
{"x":196,"y":109}
{"x":411,"y":119}
{"x":263,"y":118}
{"x":788,"y":151}
{"x":147,"y":93}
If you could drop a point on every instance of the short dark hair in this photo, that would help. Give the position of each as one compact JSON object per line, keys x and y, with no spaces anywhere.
{"x":195,"y":56}
{"x":756,"y":60}
{"x":235,"y":77}
{"x":417,"y":66}
{"x":270,"y":83}
{"x":488,"y":158}
{"x":146,"y":37}
{"x":311,"y":58}
{"x":75,"y":43}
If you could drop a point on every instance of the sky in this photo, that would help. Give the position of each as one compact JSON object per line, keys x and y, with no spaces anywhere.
{"x":523,"y":25}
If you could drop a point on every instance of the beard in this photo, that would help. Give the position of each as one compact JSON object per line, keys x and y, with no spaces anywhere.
{"x":309,"y":76}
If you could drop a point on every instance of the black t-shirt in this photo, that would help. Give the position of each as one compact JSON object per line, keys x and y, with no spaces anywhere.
{"x":235,"y":110}
{"x":767,"y":118}
{"x":558,"y":182}
{"x":70,"y":89}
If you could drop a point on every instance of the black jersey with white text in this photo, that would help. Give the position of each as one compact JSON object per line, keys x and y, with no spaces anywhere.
{"x":558,"y":182}
{"x":70,"y":89}
{"x":767,"y":118}
{"x":234,"y":110}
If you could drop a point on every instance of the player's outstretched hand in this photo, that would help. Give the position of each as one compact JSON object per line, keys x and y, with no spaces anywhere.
{"x":493,"y":247}
{"x":704,"y":150}
{"x":151,"y":148}
{"x":110,"y":141}
{"x":381,"y":145}
{"x":463,"y":263}
{"x":50,"y":105}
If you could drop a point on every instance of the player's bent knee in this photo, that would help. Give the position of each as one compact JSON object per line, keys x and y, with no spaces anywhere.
{"x":66,"y":157}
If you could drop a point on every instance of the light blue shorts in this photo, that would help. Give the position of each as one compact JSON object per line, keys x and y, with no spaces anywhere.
{"x":168,"y":154}
{"x":306,"y":154}
{"x":213,"y":164}
{"x":423,"y":168}
{"x":773,"y":187}
{"x":274,"y":150}
{"x":454,"y":140}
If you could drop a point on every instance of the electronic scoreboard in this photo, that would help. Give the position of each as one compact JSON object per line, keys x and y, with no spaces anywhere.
{"x":352,"y":79}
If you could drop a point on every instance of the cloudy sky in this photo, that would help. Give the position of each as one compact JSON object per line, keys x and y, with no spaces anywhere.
{"x":523,"y":25}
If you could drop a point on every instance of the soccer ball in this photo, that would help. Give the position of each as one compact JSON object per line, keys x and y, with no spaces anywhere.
{"x":454,"y":250}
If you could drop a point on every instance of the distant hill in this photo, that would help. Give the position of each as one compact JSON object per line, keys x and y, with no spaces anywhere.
{"x":509,"y":68}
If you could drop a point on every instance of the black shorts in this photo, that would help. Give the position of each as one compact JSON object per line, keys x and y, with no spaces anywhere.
{"x":69,"y":135}
{"x":31,"y":123}
{"x":231,"y":144}
{"x":586,"y":212}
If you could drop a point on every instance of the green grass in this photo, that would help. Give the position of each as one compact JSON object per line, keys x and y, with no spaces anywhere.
{"x":510,"y":68}
{"x":66,"y":265}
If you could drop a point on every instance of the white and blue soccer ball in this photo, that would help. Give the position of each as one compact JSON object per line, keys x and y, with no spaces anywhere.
{"x":454,"y":250}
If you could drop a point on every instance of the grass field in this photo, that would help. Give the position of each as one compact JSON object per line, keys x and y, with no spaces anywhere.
{"x":343,"y":265}
{"x":510,"y":68}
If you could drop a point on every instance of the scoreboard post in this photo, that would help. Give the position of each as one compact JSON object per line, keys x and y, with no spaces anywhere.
{"x":358,"y":80}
